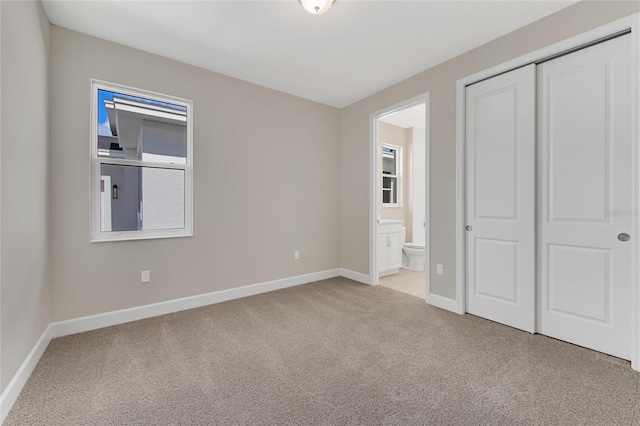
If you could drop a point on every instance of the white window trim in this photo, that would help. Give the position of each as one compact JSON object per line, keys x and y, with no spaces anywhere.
{"x":398,"y":176}
{"x":96,"y":162}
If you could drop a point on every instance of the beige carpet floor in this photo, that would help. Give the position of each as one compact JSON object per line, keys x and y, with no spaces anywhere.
{"x":332,"y":352}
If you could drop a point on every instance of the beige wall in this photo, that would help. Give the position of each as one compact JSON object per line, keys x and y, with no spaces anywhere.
{"x":266,"y":183}
{"x":398,"y":136}
{"x":441,"y":82}
{"x":24,"y":182}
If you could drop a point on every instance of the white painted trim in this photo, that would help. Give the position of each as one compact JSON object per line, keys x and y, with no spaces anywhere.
{"x":107,"y":319}
{"x":461,"y":204}
{"x":635,"y":230}
{"x":443,"y":303}
{"x":355,"y":276}
{"x":630,"y":22}
{"x":373,"y":176}
{"x":13,"y":389}
{"x":373,"y":198}
{"x":562,"y":46}
{"x":427,"y":199}
{"x":3,"y":396}
{"x":95,"y":234}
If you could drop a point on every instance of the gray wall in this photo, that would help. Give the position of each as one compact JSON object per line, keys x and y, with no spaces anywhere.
{"x":163,"y":190}
{"x":24,"y":182}
{"x":124,"y":209}
{"x":441,"y":82}
{"x":266,"y":183}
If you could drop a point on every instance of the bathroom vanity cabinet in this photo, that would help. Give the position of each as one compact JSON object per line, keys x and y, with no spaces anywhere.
{"x":389,"y":246}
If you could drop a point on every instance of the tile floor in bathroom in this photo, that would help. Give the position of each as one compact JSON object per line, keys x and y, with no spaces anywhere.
{"x":406,"y":281}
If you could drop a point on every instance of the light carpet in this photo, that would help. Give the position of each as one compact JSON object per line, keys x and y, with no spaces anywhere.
{"x":333,"y":352}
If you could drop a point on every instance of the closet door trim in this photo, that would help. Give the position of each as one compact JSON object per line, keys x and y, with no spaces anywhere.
{"x":628,"y":24}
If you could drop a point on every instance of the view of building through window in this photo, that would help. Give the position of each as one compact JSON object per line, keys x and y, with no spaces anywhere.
{"x":390,"y":174}
{"x":149,"y":195}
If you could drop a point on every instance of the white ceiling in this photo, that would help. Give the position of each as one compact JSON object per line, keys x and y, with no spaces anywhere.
{"x":414,"y":116}
{"x":354,"y":50}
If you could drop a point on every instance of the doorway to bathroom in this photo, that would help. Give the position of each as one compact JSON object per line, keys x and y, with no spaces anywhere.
{"x":399,"y":197}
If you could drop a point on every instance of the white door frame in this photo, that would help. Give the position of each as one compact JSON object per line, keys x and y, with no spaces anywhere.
{"x":373,"y":183}
{"x":632,"y":23}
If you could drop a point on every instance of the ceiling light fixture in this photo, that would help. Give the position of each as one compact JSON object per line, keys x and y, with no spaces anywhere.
{"x":316,"y":7}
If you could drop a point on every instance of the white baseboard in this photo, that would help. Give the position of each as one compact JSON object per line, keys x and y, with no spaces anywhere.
{"x":356,"y":276}
{"x":443,"y":303}
{"x":107,"y":319}
{"x":13,"y":389}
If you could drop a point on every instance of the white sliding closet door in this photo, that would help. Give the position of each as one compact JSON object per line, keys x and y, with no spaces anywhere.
{"x":585,"y":134}
{"x":500,"y":187}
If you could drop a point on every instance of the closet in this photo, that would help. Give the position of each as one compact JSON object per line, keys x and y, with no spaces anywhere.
{"x":549,"y":197}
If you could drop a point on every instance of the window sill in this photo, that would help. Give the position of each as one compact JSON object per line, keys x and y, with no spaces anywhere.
{"x":125,"y":236}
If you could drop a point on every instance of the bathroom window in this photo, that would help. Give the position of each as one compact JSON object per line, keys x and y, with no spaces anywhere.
{"x":391,"y":175}
{"x":141,"y":146}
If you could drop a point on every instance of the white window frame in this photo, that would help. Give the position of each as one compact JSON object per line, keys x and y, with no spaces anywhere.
{"x":397,"y":176}
{"x":96,"y":163}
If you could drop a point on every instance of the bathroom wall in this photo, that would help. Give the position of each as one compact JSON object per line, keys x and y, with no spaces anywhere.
{"x":398,"y":136}
{"x":418,"y":180}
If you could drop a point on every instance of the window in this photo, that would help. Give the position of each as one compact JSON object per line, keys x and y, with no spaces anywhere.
{"x":141,"y":146}
{"x":391,"y":175}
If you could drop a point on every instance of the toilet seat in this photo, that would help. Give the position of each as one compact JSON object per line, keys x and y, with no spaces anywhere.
{"x":414,"y":245}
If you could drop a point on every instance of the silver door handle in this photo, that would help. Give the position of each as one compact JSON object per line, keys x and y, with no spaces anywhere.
{"x":468,"y":228}
{"x":624,"y":237}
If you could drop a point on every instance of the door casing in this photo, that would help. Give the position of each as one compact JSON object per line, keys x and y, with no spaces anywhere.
{"x":373,"y":184}
{"x":630,"y":23}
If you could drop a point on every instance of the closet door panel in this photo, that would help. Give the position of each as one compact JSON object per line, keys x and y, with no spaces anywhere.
{"x":586,"y":197}
{"x":578,"y":145}
{"x":500,"y":159}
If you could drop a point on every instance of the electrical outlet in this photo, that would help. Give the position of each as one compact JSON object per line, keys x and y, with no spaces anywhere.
{"x":439,"y":269}
{"x":296,"y":255}
{"x":145,"y":277}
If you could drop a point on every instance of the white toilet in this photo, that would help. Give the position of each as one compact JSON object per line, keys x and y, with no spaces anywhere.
{"x":412,"y":254}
